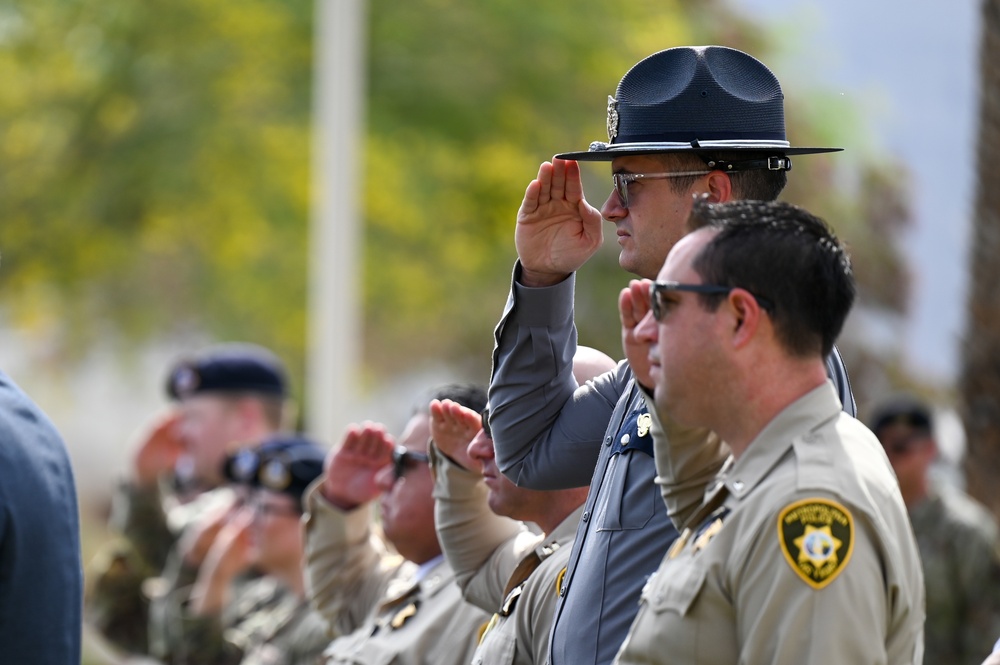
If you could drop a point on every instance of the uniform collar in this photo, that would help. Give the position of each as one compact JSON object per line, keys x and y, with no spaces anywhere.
{"x":793,"y":423}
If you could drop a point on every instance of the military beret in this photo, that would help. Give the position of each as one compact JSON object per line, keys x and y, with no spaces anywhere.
{"x":285,"y":463}
{"x":902,"y":410}
{"x":228,"y":368}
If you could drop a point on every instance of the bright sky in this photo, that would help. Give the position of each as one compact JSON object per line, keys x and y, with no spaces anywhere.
{"x":912,"y":67}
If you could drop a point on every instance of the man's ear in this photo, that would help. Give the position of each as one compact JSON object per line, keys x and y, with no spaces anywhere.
{"x":720,"y":187}
{"x":747,"y":314}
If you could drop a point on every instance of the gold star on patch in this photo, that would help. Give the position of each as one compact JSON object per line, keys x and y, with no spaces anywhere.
{"x":818,"y":546}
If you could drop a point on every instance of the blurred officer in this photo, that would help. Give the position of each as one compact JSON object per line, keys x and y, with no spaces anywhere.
{"x":41,"y":577}
{"x":500,"y":564}
{"x":796,"y":547}
{"x":388,"y":608}
{"x":215,"y":618}
{"x":226,"y":396}
{"x":688,"y":120}
{"x":956,"y":535}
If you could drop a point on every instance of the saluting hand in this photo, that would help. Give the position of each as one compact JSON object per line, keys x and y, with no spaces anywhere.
{"x":350,"y":468}
{"x":453,"y":427}
{"x":633,"y":307}
{"x":557,"y":230}
{"x":158,"y":446}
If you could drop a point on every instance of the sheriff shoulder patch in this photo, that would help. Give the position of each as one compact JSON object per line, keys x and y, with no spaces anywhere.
{"x":817,"y":538}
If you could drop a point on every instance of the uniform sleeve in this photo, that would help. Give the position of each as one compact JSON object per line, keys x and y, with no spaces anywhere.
{"x":482,"y":548}
{"x":687,"y":460}
{"x":348,"y":567}
{"x":115,"y":603}
{"x":781,"y":618}
{"x":546,"y":428}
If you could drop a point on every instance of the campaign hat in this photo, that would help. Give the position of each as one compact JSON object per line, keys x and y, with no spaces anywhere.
{"x":696,"y":99}
{"x":228,"y":368}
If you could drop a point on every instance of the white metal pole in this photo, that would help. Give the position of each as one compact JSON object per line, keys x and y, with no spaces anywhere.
{"x":334,"y":247}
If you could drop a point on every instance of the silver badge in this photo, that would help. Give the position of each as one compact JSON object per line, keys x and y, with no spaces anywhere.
{"x":612,"y":118}
{"x":275,"y":475}
{"x":186,"y":381}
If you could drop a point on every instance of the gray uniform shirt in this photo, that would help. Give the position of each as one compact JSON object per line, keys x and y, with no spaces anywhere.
{"x":551,"y":433}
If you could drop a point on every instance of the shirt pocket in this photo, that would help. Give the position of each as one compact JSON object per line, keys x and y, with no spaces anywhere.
{"x":631,"y":497}
{"x":499,"y":646}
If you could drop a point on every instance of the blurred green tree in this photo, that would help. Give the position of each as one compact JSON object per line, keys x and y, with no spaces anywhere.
{"x":156,"y":157}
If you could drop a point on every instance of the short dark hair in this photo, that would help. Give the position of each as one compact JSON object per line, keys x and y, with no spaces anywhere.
{"x":784,"y":254}
{"x":470,"y":395}
{"x":756,"y":184}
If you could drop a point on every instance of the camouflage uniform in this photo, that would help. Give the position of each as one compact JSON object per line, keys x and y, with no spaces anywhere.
{"x":265,"y":624}
{"x":116,"y":605}
{"x":957,"y":538}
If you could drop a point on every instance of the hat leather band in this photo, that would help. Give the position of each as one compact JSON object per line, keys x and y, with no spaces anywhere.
{"x":769,"y":164}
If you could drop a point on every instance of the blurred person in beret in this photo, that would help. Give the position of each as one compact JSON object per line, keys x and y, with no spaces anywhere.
{"x":174,"y":500}
{"x":246,"y":603}
{"x":957,"y":537}
{"x":387,"y":593}
{"x":686,"y":121}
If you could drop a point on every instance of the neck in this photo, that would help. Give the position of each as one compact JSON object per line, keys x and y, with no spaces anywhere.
{"x":564,"y":502}
{"x":762,"y":396}
{"x":914,"y":492}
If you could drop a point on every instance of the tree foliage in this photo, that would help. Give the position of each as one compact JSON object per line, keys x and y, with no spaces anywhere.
{"x":156,"y":161}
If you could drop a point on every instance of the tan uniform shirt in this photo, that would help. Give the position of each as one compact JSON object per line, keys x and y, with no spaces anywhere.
{"x":800,"y":552}
{"x":501,"y":566}
{"x":373,"y":598}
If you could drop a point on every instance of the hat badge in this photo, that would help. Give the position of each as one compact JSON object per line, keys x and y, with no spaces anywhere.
{"x":186,"y":380}
{"x":275,"y":475}
{"x":612,"y":118}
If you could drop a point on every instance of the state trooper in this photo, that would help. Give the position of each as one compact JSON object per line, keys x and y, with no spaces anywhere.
{"x":795,"y":543}
{"x":390,"y":596}
{"x":684,"y":121}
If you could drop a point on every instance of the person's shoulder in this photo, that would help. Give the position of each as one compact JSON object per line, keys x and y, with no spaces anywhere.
{"x":965,"y":514}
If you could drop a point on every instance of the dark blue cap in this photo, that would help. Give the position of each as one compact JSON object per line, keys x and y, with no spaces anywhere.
{"x":285,"y":463}
{"x":229,"y":368}
{"x":903,"y":409}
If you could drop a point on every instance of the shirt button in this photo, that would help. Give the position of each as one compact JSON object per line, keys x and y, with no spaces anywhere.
{"x":586,"y":515}
{"x":738,"y":485}
{"x":607,"y":440}
{"x":625,"y":439}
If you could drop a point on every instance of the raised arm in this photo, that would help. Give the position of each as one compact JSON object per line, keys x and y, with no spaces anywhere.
{"x":348,"y":567}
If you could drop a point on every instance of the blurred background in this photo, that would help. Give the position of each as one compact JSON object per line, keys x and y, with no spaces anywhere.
{"x":159,"y":191}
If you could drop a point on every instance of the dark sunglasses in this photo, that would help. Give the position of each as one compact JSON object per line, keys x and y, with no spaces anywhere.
{"x":659,"y":290}
{"x":404,"y":459}
{"x":485,"y":416}
{"x":623,"y":180}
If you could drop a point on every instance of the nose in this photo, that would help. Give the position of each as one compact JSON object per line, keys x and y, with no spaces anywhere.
{"x":647,"y":330}
{"x":612,"y":209}
{"x":481,"y":447}
{"x":385,"y":478}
